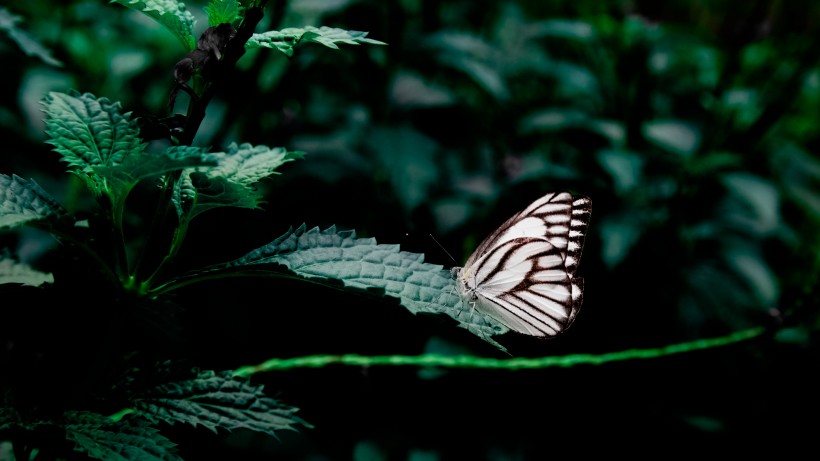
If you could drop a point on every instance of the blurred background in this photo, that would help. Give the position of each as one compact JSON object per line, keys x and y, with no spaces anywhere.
{"x":692,"y":125}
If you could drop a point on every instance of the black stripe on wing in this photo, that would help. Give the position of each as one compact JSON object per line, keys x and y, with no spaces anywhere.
{"x":523,"y":284}
{"x":548,"y":217}
{"x":581,"y":211}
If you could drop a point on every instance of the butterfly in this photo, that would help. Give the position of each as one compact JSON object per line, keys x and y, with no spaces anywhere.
{"x":523,"y":274}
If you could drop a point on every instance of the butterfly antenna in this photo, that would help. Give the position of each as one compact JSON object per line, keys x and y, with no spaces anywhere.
{"x":444,"y":249}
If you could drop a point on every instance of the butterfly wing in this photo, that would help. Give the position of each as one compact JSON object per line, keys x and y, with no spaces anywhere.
{"x":523,"y":273}
{"x":558,"y":217}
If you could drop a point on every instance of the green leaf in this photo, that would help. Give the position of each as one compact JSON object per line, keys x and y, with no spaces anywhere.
{"x":102,"y":145}
{"x":231,"y":182}
{"x":799,"y":173}
{"x":217,"y":400}
{"x":566,"y":29}
{"x":24,"y":40}
{"x":122,"y":178}
{"x":676,"y":136}
{"x":553,"y":119}
{"x":88,"y":132}
{"x":330,"y":257}
{"x":223,"y":11}
{"x":753,"y":204}
{"x":748,"y":264}
{"x":171,"y":14}
{"x":12,"y":271}
{"x":246,"y":164}
{"x":24,"y":201}
{"x":475,"y":56}
{"x":620,"y":233}
{"x":409,"y":158}
{"x":285,"y":39}
{"x":625,"y":168}
{"x":129,"y":439}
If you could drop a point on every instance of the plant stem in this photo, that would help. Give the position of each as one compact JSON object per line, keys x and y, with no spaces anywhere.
{"x":120,"y":253}
{"x":222,"y":274}
{"x":467,"y":361}
{"x":176,"y":243}
{"x":234,"y":50}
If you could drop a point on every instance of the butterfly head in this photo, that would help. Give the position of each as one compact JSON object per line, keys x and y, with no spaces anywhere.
{"x":465,"y":282}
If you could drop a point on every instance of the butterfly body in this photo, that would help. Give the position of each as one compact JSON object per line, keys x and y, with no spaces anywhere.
{"x":523,"y":274}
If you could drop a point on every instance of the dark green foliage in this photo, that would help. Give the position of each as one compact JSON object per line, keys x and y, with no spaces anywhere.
{"x":130,"y":438}
{"x":692,"y":125}
{"x":216,"y":401}
{"x":104,"y":147}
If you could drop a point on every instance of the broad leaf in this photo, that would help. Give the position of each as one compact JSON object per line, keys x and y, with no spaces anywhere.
{"x":89,"y":132}
{"x":102,"y":145}
{"x":122,"y":178}
{"x":246,"y":164}
{"x":409,"y":159}
{"x":217,"y":401}
{"x":23,"y":201}
{"x":223,"y":11}
{"x":24,"y":40}
{"x":171,"y":14}
{"x":360,"y":263}
{"x":477,"y":57}
{"x":128,"y":439}
{"x":676,"y":136}
{"x":568,"y":29}
{"x":231,"y":182}
{"x":12,"y":271}
{"x":284,"y":40}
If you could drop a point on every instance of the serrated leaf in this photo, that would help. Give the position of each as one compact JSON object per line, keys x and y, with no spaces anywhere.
{"x":102,"y":145}
{"x":89,"y":131}
{"x":223,"y":11}
{"x":361,"y":263}
{"x":246,"y":164}
{"x":122,"y":178}
{"x":217,"y":401}
{"x":230,"y":183}
{"x":130,"y":439}
{"x":286,"y":39}
{"x":28,"y":44}
{"x":12,"y":271}
{"x":23,"y":201}
{"x":171,"y":14}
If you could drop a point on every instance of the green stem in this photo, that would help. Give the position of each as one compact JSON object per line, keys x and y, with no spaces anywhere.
{"x":466,"y":361}
{"x":244,"y":272}
{"x":176,"y":243}
{"x":158,"y":223}
{"x":120,"y":253}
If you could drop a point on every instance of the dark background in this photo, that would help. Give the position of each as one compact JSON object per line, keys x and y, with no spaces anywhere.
{"x":692,"y":125}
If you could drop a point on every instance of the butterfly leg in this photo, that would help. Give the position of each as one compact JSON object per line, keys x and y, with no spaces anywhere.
{"x":472,"y":310}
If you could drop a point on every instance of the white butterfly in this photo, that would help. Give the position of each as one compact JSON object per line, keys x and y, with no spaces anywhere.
{"x":523,"y":274}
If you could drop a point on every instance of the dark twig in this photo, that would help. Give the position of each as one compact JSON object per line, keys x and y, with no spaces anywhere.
{"x":234,"y":50}
{"x":214,"y":43}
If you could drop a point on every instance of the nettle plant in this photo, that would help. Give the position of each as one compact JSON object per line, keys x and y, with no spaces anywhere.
{"x":113,"y":409}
